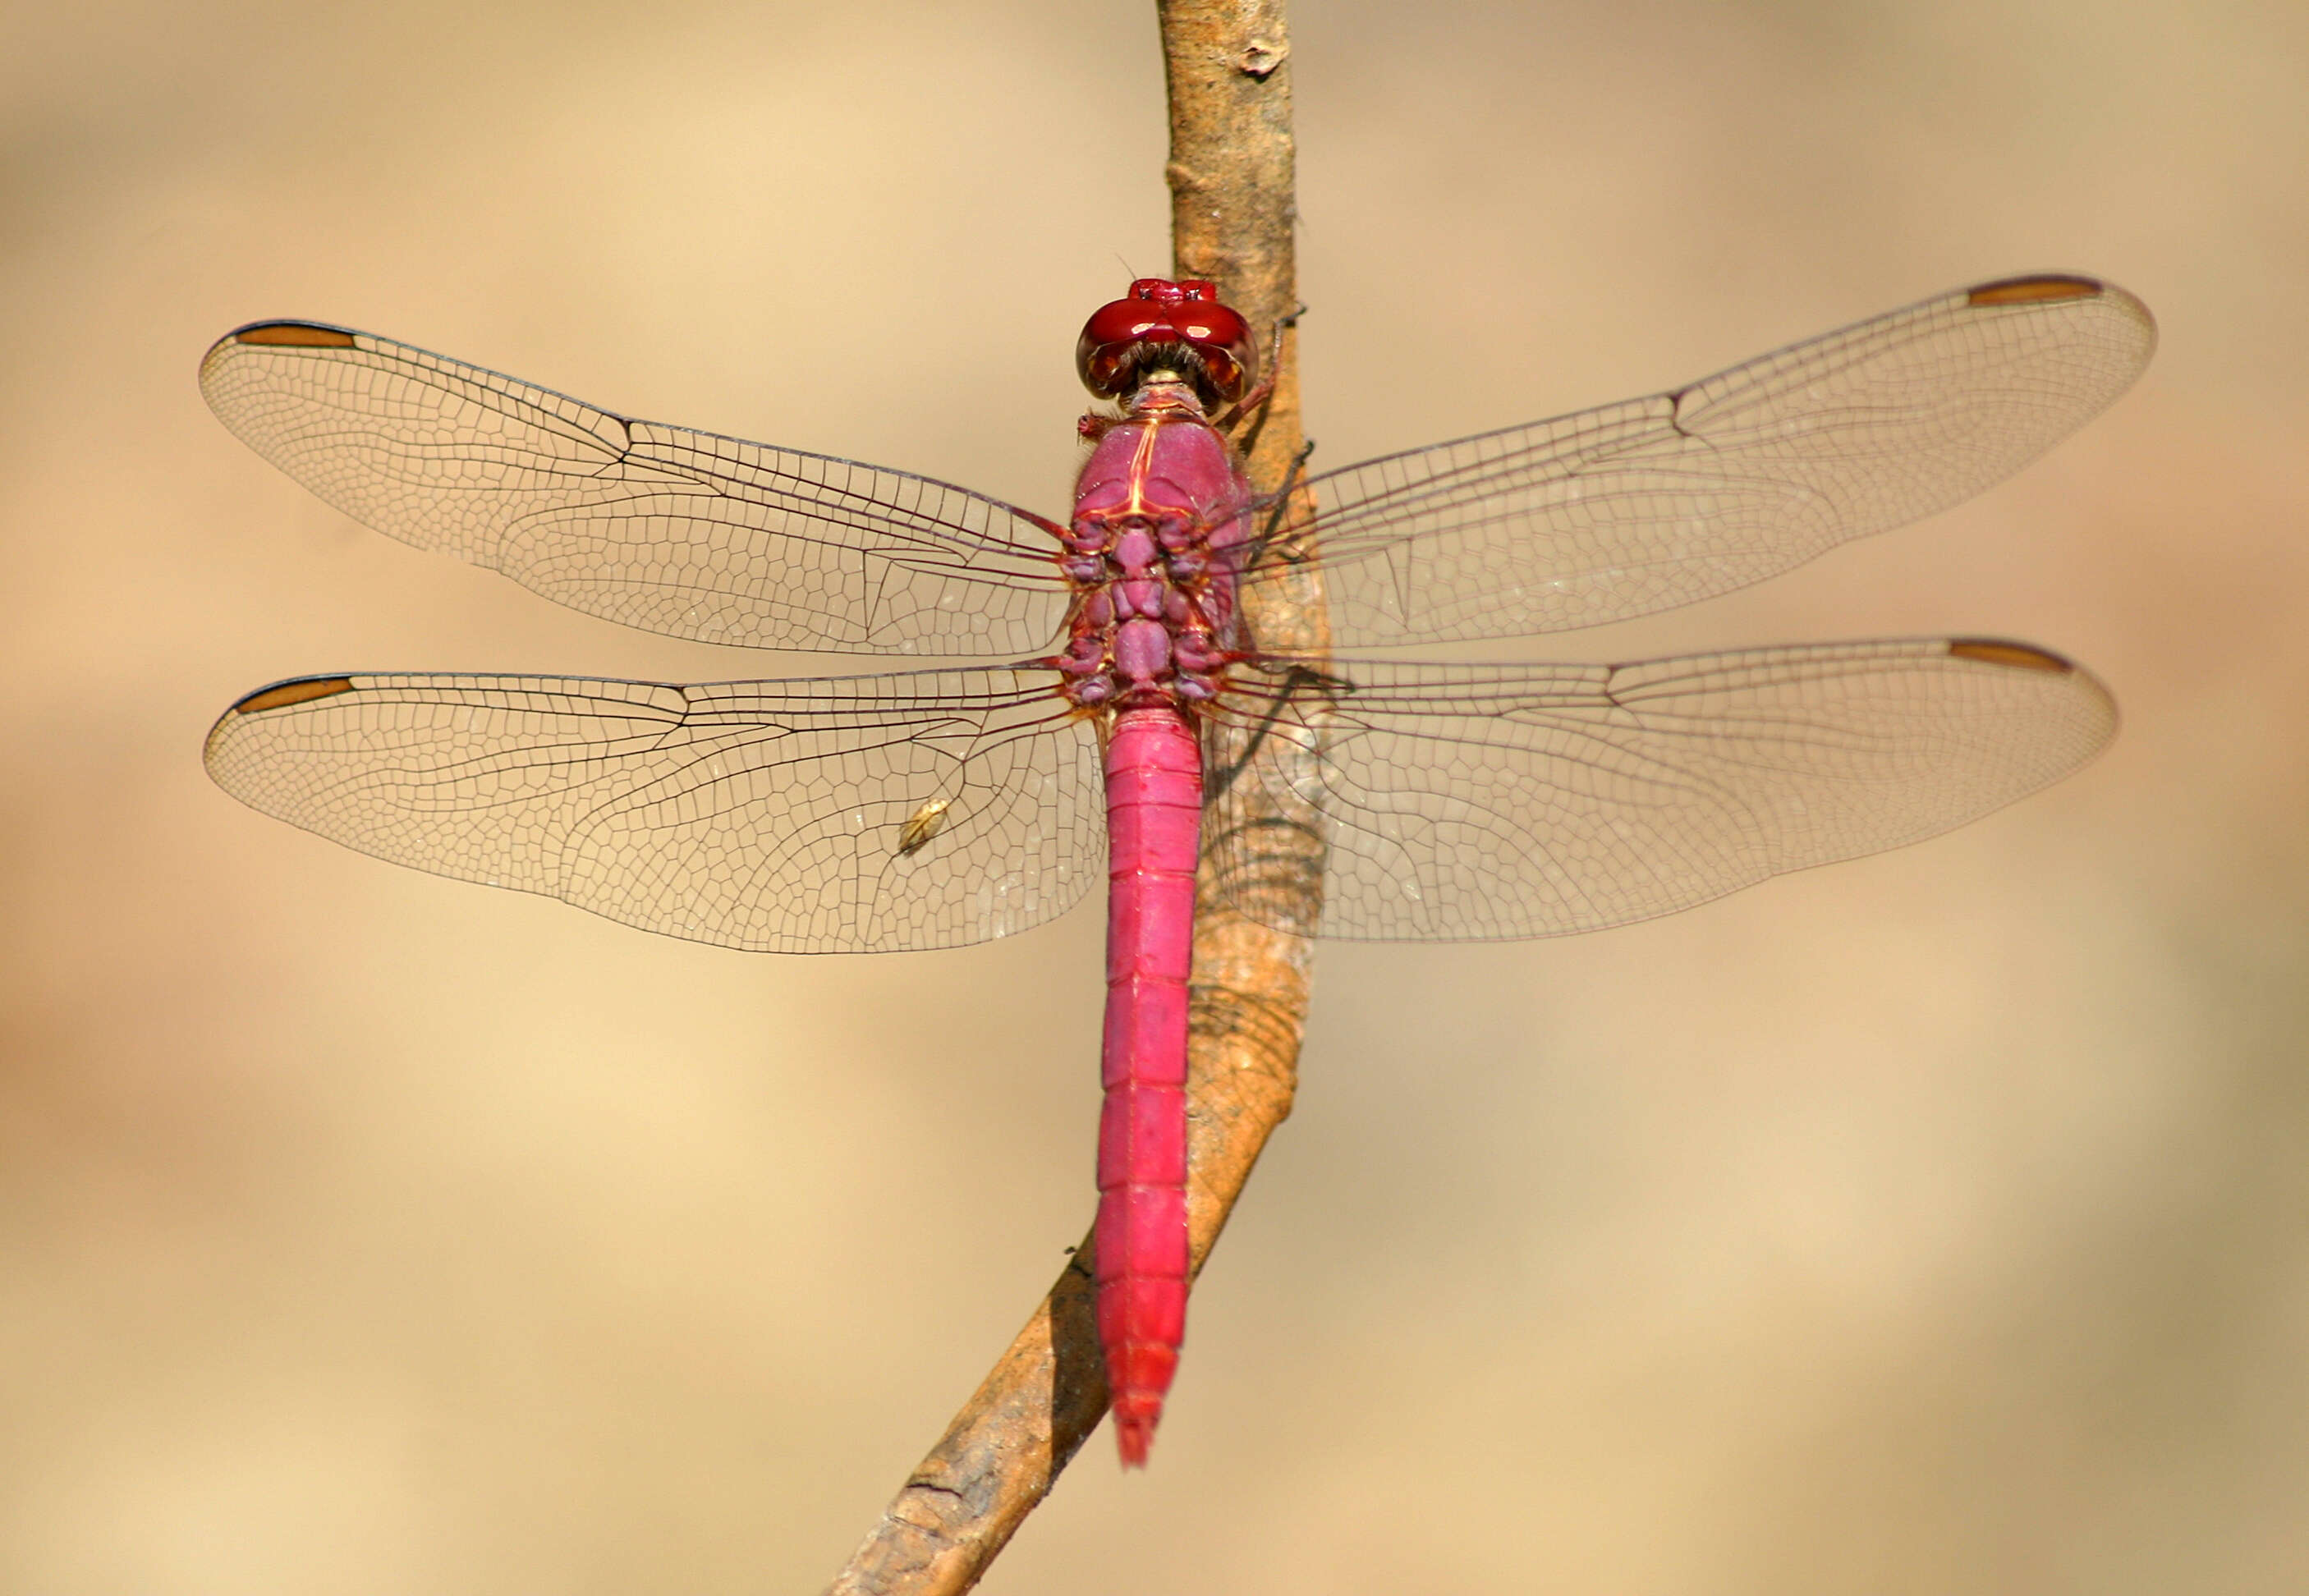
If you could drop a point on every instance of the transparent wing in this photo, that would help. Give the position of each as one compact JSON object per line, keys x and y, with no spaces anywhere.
{"x":1653,"y":502}
{"x":671,"y":530}
{"x":1476,"y":802}
{"x":921,"y":810}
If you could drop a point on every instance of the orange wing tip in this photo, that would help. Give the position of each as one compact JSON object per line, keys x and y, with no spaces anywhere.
{"x":302,"y":335}
{"x":2019,"y":656}
{"x":278,"y":695}
{"x":2040,"y":288}
{"x":282,"y":695}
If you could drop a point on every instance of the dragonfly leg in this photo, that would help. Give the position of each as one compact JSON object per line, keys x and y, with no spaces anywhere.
{"x":1263,"y":389}
{"x":1280,"y":505}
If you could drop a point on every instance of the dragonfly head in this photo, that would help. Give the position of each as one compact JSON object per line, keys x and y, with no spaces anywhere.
{"x":1164,"y":325}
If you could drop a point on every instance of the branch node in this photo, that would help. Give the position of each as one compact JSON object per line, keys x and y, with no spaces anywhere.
{"x":1261,"y":58}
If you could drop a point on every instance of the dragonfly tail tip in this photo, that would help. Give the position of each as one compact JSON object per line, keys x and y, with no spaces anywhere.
{"x":1134,"y":1436}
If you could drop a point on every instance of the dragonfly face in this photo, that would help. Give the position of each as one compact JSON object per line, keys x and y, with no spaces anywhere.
{"x":1167,"y":326}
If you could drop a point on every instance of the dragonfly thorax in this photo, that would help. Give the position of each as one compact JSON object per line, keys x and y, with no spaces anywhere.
{"x":1152,"y":554}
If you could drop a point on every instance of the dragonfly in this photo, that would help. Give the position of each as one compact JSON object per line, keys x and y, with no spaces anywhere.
{"x":1135,"y":723}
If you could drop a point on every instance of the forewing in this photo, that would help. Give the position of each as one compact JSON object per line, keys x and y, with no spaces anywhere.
{"x":1479,"y":802}
{"x":920,"y":810}
{"x":1653,"y":502}
{"x":658,"y":527}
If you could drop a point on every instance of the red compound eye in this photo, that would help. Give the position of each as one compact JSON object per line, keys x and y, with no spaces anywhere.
{"x":1159,"y":314}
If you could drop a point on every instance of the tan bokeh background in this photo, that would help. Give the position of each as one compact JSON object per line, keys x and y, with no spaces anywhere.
{"x":1934,"y":1223}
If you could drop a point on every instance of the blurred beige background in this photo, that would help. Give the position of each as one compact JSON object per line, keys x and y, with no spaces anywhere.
{"x":1931,"y":1224}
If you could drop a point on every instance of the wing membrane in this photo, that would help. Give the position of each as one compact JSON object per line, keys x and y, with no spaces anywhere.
{"x":918,"y":810}
{"x":658,"y":527}
{"x":1645,"y":504}
{"x":1479,"y":802}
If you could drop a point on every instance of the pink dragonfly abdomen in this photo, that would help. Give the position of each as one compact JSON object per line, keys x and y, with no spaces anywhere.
{"x":1154,"y":806}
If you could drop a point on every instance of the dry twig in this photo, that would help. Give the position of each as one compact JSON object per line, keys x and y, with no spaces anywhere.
{"x":1232,"y":210}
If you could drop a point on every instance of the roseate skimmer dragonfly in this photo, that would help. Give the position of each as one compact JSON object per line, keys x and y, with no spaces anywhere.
{"x":929,"y":808}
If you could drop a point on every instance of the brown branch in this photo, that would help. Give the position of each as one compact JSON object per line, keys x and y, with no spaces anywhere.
{"x":1231,"y":215}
